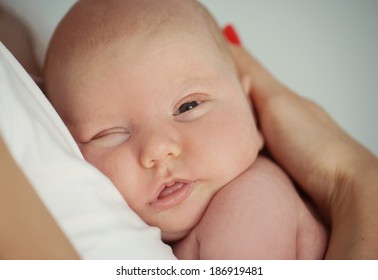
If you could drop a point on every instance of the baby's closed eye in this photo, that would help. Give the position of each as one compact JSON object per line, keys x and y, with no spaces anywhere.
{"x":111,"y":137}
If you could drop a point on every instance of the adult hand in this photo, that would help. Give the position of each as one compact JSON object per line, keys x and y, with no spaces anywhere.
{"x":339,"y":174}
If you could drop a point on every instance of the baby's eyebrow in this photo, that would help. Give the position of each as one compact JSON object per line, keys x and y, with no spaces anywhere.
{"x":83,"y":131}
{"x":200,"y":79}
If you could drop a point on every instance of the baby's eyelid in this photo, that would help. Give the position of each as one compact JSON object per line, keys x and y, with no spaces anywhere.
{"x":110,"y":138}
{"x":110,"y":131}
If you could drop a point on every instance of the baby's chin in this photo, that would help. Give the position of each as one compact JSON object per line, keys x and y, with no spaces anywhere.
{"x":178,"y":222}
{"x":173,"y":236}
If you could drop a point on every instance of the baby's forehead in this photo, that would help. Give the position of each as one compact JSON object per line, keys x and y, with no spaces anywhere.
{"x":130,"y":16}
{"x":96,"y":22}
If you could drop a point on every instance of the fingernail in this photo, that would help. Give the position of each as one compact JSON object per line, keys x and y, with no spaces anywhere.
{"x":231,"y":35}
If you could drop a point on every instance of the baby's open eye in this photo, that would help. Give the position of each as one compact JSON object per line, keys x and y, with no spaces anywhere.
{"x":192,"y":107}
{"x":187,"y":106}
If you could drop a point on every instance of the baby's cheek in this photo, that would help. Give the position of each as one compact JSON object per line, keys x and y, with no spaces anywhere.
{"x":243,"y":153}
{"x":249,"y":153}
{"x":250,"y":144}
{"x":87,"y":154}
{"x":260,"y":140}
{"x":98,"y":159}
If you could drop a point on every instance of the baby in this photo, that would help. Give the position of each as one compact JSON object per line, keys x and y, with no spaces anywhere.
{"x":151,"y":95}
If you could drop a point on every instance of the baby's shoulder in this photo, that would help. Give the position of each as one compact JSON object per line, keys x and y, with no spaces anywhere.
{"x":263,"y":179}
{"x":261,"y":191}
{"x":265,"y":168}
{"x":258,"y":215}
{"x":254,"y":214}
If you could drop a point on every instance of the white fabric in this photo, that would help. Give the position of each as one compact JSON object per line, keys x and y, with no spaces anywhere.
{"x":85,"y":204}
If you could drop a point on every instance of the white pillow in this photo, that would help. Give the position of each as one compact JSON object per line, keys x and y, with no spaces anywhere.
{"x":84,"y":202}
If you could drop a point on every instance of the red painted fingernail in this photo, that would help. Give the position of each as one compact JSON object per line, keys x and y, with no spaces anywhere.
{"x":231,"y":35}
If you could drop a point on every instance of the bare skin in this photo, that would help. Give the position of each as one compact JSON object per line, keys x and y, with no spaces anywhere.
{"x":27,"y":229}
{"x":338,"y":173}
{"x":259,"y":215}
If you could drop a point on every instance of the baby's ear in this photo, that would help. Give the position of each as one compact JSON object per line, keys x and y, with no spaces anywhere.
{"x":246,"y":85}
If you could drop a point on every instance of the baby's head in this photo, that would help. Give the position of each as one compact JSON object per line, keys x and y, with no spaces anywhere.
{"x":149,"y":91}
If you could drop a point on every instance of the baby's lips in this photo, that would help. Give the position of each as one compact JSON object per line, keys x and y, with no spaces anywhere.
{"x":231,"y":35}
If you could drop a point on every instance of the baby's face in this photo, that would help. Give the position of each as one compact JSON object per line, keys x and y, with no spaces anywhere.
{"x":166,"y":119}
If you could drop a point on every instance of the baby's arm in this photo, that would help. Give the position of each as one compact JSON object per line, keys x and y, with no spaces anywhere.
{"x":259,"y":215}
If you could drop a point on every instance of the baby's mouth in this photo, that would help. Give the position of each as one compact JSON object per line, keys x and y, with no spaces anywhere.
{"x":174,"y":186}
{"x":172,"y":194}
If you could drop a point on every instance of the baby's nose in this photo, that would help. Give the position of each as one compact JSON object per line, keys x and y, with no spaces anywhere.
{"x":158,"y":147}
